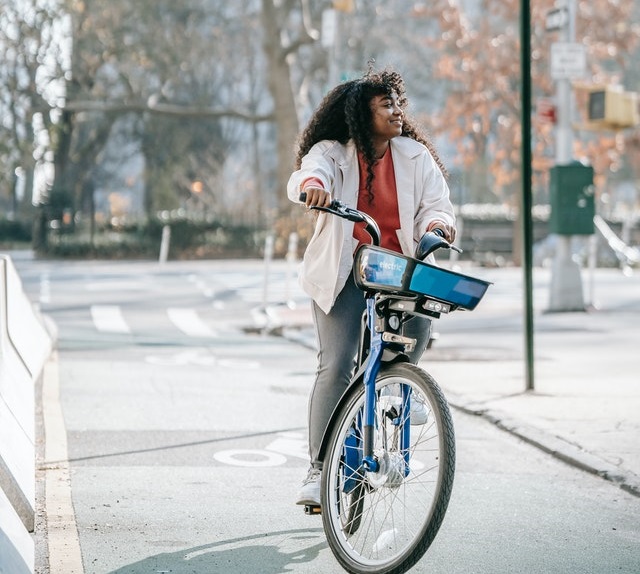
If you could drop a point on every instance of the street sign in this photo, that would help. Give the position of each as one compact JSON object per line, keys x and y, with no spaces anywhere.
{"x":556,"y":19}
{"x":568,"y":60}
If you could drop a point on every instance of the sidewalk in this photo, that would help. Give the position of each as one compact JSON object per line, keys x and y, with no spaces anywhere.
{"x":585,"y":407}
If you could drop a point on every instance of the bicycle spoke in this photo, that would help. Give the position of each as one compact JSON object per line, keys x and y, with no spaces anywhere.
{"x":389,"y":518}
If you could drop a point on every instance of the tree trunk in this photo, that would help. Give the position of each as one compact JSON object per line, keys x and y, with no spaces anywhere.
{"x":286,"y":119}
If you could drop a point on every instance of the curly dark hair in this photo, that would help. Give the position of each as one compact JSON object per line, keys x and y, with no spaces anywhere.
{"x":345,"y":114}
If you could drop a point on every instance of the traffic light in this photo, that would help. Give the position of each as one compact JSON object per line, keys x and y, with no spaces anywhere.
{"x":343,"y":5}
{"x":612,"y":107}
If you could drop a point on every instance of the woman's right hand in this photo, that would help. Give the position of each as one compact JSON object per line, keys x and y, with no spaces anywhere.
{"x":316,"y":197}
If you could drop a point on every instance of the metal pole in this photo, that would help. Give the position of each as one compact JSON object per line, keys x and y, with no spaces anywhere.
{"x":527,"y":225}
{"x":565,"y":293}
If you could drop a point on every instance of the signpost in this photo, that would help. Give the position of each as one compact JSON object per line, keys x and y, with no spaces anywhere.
{"x":567,"y":62}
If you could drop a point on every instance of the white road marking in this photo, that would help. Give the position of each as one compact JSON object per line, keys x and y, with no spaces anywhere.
{"x":62,"y":532}
{"x":249,"y":457}
{"x":290,"y":445}
{"x":275,"y":453}
{"x":201,"y":357}
{"x":188,"y":321}
{"x":109,"y":319}
{"x":119,"y":286}
{"x":191,"y":357}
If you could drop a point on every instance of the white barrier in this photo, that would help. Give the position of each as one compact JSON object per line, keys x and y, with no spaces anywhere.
{"x":17,"y":553}
{"x":25,"y":346}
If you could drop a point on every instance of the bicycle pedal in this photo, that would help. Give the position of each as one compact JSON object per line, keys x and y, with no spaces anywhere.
{"x":311,"y":509}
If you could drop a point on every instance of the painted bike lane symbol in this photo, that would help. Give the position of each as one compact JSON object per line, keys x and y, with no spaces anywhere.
{"x":274,"y":454}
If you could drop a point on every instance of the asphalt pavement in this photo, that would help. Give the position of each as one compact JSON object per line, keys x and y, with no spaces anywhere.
{"x":142,"y":449}
{"x":584,"y":407}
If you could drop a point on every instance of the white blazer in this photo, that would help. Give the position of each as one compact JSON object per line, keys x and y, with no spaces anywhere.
{"x":423,"y":197}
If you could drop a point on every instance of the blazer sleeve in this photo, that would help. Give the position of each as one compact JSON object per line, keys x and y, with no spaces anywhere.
{"x":316,"y":164}
{"x":433,"y":201}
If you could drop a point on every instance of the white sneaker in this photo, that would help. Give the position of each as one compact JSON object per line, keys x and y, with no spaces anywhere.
{"x":309,"y":493}
{"x":418,"y":412}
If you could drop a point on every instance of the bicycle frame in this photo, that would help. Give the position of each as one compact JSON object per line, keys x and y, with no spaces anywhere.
{"x":376,"y":347}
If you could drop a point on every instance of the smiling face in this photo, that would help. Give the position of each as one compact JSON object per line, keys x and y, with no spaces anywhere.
{"x":386,"y":118}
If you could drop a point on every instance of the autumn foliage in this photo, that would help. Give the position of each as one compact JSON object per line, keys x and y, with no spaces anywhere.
{"x":480,"y":62}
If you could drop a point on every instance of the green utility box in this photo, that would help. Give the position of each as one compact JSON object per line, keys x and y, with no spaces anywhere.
{"x":572,"y":200}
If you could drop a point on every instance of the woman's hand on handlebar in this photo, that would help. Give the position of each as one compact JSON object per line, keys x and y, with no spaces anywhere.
{"x":447,"y":231}
{"x":315,"y":197}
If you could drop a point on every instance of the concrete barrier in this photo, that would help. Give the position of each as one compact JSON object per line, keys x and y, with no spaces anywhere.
{"x":17,"y":552}
{"x":25,"y":346}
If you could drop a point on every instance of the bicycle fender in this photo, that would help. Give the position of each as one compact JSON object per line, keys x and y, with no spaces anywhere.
{"x":390,"y":357}
{"x":352,"y":389}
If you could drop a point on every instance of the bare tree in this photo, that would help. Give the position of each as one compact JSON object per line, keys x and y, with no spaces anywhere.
{"x":30,"y":55}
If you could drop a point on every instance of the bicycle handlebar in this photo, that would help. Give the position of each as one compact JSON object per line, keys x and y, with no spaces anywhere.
{"x":429,"y":242}
{"x":341,"y":210}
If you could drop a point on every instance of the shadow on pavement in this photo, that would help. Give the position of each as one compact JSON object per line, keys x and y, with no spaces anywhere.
{"x":265,"y":553}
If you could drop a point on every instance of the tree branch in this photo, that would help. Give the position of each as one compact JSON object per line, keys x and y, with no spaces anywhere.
{"x":76,"y":106}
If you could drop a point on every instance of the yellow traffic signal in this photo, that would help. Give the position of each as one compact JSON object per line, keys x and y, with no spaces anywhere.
{"x":343,"y":5}
{"x":611,"y":107}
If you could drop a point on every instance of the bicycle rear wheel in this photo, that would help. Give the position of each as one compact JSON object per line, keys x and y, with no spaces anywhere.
{"x":384,"y":522}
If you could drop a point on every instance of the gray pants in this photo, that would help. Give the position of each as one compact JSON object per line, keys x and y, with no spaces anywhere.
{"x":337,"y":335}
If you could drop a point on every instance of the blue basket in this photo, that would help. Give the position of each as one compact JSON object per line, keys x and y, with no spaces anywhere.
{"x":379,"y":269}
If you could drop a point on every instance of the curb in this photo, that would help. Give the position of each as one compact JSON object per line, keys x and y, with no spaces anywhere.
{"x":556,"y":446}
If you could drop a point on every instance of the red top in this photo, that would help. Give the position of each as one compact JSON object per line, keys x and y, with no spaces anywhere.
{"x":383,"y":206}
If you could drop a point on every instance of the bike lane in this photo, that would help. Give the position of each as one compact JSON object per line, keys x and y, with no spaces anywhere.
{"x":178,"y":458}
{"x":175,"y":463}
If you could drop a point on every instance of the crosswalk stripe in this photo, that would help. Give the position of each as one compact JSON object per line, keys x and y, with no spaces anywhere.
{"x":188,"y":321}
{"x":109,"y":319}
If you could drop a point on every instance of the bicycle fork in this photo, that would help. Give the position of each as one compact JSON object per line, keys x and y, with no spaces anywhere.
{"x":377,"y":346}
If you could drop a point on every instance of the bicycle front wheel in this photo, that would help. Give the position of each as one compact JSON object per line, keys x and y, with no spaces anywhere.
{"x":384,"y":521}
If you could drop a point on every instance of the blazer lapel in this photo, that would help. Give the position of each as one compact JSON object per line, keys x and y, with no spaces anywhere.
{"x":404,"y":168}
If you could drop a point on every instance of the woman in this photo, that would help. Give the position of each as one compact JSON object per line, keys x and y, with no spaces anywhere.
{"x":360,"y":149}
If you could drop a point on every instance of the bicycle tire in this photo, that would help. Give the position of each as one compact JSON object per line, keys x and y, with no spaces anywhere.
{"x":388,"y":520}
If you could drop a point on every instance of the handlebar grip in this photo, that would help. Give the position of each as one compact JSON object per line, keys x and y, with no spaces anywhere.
{"x":303,"y":196}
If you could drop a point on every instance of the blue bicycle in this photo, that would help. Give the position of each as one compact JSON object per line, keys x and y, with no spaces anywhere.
{"x":389,"y":448}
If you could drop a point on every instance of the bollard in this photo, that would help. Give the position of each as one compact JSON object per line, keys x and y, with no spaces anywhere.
{"x":268,"y":256}
{"x":292,"y":256}
{"x":164,"y":244}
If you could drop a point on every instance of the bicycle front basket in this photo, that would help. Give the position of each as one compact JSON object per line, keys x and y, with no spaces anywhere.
{"x":379,"y":269}
{"x":460,"y":290}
